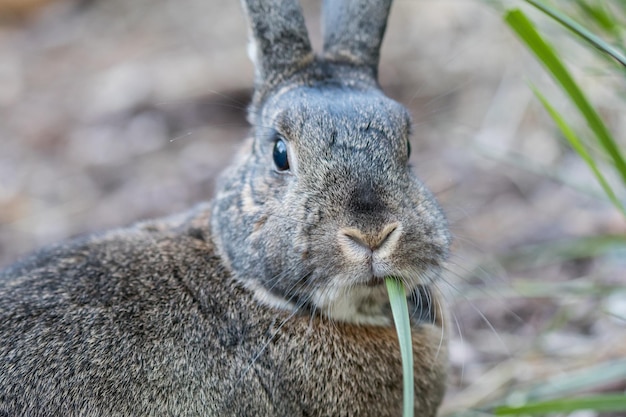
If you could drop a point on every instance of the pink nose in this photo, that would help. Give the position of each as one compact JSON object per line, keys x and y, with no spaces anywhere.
{"x":371,"y":241}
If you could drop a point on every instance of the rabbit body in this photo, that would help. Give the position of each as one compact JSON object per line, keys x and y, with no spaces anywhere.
{"x":147,"y":321}
{"x":270,"y":300}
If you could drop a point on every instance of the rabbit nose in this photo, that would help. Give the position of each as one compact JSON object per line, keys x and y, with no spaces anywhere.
{"x":365,"y":200}
{"x":384,"y":240}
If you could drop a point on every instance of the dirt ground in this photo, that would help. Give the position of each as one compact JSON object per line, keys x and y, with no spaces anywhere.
{"x":113,"y":111}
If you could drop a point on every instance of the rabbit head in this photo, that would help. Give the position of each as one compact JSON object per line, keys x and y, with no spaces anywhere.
{"x":321,"y":204}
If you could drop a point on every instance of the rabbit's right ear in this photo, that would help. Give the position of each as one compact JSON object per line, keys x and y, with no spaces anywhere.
{"x":354,"y":30}
{"x":279,"y":42}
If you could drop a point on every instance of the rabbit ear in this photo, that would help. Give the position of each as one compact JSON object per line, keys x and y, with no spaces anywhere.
{"x":279,"y":42}
{"x":354,"y":29}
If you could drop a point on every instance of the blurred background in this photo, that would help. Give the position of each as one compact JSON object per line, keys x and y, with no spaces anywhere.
{"x":114,"y":111}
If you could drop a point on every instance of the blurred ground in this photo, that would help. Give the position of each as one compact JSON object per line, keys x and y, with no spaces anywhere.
{"x":113,"y":111}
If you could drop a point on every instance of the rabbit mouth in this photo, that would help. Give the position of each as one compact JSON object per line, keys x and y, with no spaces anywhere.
{"x":374,"y":281}
{"x":359,"y":297}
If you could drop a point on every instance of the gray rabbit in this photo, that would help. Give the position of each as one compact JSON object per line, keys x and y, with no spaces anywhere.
{"x":269,"y":300}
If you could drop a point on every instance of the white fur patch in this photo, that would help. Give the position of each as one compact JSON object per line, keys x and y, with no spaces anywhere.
{"x":358,"y":304}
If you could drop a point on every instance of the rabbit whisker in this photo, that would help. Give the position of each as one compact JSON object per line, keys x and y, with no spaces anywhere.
{"x":443,"y":330}
{"x":480,"y":314}
{"x":258,"y":354}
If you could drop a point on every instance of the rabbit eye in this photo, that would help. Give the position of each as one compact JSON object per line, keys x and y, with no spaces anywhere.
{"x":408,"y":149}
{"x":280,"y":155}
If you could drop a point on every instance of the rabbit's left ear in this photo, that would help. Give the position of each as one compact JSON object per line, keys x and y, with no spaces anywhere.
{"x":354,"y":30}
{"x":279,"y":42}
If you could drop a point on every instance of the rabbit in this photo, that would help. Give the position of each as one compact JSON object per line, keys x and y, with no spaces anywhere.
{"x":268,"y":300}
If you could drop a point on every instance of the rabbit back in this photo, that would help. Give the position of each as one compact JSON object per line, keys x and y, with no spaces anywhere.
{"x":108,"y":324}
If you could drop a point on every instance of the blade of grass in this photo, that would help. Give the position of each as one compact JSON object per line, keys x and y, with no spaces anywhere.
{"x":581,"y":288}
{"x":608,"y":402}
{"x":600,"y":15}
{"x":585,"y":379}
{"x":529,"y":288}
{"x":580,"y":31}
{"x":400,"y":311}
{"x":578,"y":146}
{"x":524,"y":28}
{"x":567,"y":384}
{"x":541,"y":254}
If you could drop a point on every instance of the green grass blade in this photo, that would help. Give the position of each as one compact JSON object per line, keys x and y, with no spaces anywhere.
{"x":524,"y":28}
{"x":578,"y":146}
{"x":400,"y":310}
{"x":608,"y":402}
{"x":542,"y":254}
{"x":609,"y":372}
{"x":600,"y":15}
{"x":547,"y":393}
{"x":580,"y":31}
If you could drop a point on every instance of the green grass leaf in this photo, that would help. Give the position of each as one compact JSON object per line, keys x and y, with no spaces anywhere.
{"x":558,"y":392}
{"x":569,"y":383}
{"x":541,"y":254}
{"x":581,"y":30}
{"x":400,"y":310}
{"x":579,"y":147}
{"x":599,"y":14}
{"x":608,"y":402}
{"x":524,"y":28}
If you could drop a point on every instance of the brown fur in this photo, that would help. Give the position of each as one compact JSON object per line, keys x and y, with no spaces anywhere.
{"x":187,"y":339}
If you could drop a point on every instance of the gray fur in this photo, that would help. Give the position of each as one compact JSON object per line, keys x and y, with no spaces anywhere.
{"x":278,"y":38}
{"x":354,"y":29}
{"x":234,"y":308}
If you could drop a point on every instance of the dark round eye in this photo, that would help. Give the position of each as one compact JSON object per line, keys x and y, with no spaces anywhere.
{"x":280,"y":155}
{"x":408,"y":149}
